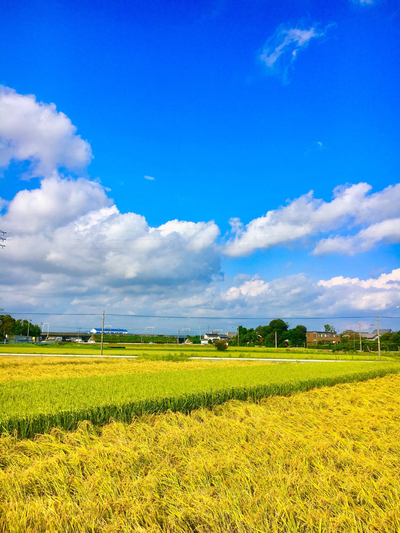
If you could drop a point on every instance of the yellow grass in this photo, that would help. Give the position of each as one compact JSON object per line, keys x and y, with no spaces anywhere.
{"x":325,"y":460}
{"x":30,"y":368}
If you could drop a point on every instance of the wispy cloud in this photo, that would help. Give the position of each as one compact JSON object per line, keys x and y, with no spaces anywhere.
{"x":364,"y":2}
{"x":281,"y":49}
{"x":387,"y":231}
{"x":150,"y":178}
{"x":318,"y":146}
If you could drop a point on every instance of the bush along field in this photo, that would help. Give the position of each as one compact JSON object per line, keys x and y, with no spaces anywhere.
{"x":36,"y":406}
{"x":322,"y":461}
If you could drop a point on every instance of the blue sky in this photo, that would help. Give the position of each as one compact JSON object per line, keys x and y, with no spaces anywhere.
{"x":237,"y":110}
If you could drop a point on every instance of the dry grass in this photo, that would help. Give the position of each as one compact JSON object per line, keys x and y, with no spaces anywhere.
{"x":324,"y":460}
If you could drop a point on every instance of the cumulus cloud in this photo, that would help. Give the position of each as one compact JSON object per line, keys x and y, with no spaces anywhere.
{"x":57,"y":202}
{"x":67,"y":237}
{"x":307,"y":216}
{"x":69,"y":247}
{"x":299,"y":295}
{"x":35,"y":132}
{"x":362,"y":295}
{"x":287,"y":295}
{"x":281,"y":49}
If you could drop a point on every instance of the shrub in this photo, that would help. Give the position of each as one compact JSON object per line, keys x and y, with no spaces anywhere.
{"x":220,"y":345}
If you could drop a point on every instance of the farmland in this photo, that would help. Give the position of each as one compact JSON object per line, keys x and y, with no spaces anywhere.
{"x":318,"y":461}
{"x":40,"y":368}
{"x":36,"y":405}
{"x":164,"y":351}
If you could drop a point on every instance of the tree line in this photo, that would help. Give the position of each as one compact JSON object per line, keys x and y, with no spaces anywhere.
{"x":10,"y":326}
{"x":265,"y":335}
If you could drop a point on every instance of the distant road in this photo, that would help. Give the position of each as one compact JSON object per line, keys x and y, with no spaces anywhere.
{"x":265,"y":360}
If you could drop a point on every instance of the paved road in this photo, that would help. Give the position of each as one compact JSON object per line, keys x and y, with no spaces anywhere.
{"x":275,"y":360}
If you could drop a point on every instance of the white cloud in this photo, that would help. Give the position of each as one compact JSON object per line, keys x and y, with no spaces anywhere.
{"x":66,"y":238}
{"x":298,"y":295}
{"x":57,"y":202}
{"x":307,"y":216}
{"x":150,"y":178}
{"x":361,"y":295}
{"x":387,"y":231}
{"x":69,"y":247}
{"x":287,"y":295}
{"x":282,"y":48}
{"x":35,"y":132}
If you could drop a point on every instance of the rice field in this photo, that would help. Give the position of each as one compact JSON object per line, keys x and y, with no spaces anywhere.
{"x":27,"y":369}
{"x":166,"y":351}
{"x":326,"y":460}
{"x":36,"y":406}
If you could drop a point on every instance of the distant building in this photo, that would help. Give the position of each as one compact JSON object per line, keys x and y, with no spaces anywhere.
{"x":62,"y":336}
{"x":314,"y":337}
{"x":19,"y":339}
{"x":374,"y":335}
{"x":215,"y":336}
{"x":109,"y":331}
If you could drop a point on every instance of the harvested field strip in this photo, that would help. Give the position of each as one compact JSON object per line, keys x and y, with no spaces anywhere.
{"x":322,"y":461}
{"x":26,"y":369}
{"x":32,"y":407}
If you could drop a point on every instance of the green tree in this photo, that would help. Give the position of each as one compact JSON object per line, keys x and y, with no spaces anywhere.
{"x":297,"y":336}
{"x":21,"y":328}
{"x":329,"y":327}
{"x":280,"y":327}
{"x":246,"y":337}
{"x":7,"y":324}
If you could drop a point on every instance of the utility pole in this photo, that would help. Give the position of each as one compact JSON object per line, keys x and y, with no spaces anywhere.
{"x":359,"y":330}
{"x":79,"y":333}
{"x":177,"y":338}
{"x":184,"y":332}
{"x":238,"y":335}
{"x":102,"y":334}
{"x":276,"y":339}
{"x":379,"y":338}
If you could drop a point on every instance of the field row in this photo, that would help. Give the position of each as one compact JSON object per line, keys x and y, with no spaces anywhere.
{"x":27,"y":368}
{"x":32,"y":407}
{"x":170,"y":351}
{"x":321,"y":461}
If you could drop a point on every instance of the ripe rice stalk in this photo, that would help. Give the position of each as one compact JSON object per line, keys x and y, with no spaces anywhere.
{"x":37,"y":406}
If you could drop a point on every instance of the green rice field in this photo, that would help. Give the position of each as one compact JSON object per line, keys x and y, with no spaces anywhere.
{"x":31,"y":407}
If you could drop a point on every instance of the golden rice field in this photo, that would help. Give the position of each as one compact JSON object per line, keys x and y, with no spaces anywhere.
{"x":325,"y":460}
{"x":31,"y":368}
